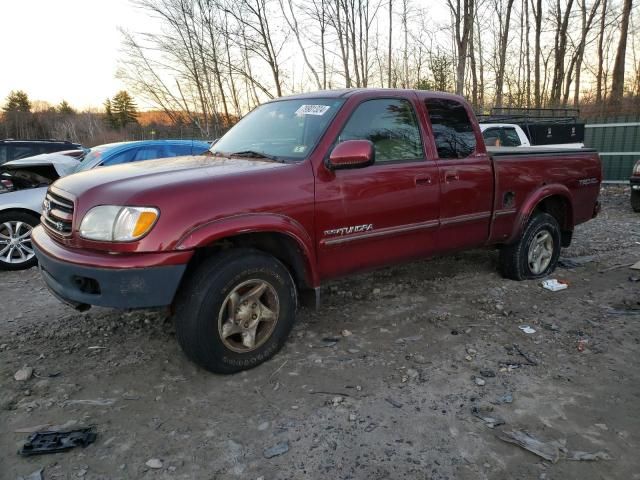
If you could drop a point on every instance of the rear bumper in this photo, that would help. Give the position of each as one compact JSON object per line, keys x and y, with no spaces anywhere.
{"x":82,"y":285}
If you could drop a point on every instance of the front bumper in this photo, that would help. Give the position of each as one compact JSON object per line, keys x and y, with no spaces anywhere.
{"x":101,"y":281}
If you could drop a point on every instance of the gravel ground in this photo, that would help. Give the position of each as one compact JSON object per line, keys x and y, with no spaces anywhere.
{"x":382,"y":382}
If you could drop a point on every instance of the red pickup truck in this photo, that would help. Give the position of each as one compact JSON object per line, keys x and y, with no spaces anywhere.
{"x":303,"y":190}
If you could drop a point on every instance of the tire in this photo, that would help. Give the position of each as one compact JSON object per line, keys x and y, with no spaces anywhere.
{"x":203,"y":305}
{"x":542,"y":230}
{"x":635,"y":200}
{"x":16,"y":251}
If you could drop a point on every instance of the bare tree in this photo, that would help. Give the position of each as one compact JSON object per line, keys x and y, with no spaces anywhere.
{"x":462,"y":14}
{"x":617,"y":82}
{"x":502,"y":45}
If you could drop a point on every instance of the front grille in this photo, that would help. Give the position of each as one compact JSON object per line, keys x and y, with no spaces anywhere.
{"x":57,"y":214}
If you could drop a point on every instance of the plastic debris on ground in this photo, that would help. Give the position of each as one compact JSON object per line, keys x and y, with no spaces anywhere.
{"x":554,"y":285}
{"x":53,"y":442}
{"x":551,"y":451}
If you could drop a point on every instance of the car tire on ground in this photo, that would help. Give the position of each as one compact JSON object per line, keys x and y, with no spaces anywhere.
{"x":635,"y":200}
{"x":16,"y":251}
{"x":536,"y":253}
{"x":235,"y":310}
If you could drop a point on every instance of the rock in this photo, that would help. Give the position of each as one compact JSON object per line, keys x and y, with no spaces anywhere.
{"x":337,"y":400}
{"x":487,"y":373}
{"x":471,"y":350}
{"x":480,"y":382}
{"x":376,"y":291}
{"x":263,"y":426}
{"x":468,"y":358}
{"x":352,"y":417}
{"x":24,"y":374}
{"x":346,"y":333}
{"x":421,"y":359}
{"x":154,"y":463}
{"x":278,"y":449}
{"x":412,"y":373}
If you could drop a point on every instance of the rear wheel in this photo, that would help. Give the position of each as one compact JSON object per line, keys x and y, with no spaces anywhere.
{"x":635,"y":200}
{"x":235,"y":311}
{"x":16,"y":251}
{"x":536,"y":253}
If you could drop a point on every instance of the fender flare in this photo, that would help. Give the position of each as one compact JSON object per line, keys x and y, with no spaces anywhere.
{"x":210,"y":232}
{"x":533,"y":200}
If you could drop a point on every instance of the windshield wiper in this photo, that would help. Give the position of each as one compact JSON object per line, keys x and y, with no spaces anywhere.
{"x":255,"y":154}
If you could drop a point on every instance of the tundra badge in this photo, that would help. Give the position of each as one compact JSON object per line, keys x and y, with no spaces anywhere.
{"x":348,"y":230}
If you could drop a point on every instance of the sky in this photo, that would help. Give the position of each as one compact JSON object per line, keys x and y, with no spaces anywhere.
{"x":63,"y":49}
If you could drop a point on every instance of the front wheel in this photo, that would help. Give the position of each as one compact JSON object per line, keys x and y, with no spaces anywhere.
{"x":16,"y":251}
{"x":536,"y":253}
{"x":635,"y":200}
{"x":235,"y":311}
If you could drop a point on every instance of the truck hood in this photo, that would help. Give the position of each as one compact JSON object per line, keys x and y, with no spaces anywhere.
{"x":124,"y":181}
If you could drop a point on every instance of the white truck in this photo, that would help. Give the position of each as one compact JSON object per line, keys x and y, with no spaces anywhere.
{"x":512,"y":135}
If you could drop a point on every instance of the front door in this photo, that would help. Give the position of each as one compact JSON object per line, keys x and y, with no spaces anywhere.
{"x":466,"y":177}
{"x":383,"y":213}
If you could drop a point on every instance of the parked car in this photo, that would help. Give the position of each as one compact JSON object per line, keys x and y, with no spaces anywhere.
{"x":511,"y":135}
{"x":15,"y":149}
{"x":303,"y":190}
{"x":23,"y":186}
{"x":634,"y":181}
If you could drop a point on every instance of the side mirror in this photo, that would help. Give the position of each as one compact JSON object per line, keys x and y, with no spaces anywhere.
{"x":352,"y":154}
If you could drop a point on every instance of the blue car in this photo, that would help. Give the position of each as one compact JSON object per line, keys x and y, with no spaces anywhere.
{"x":125,"y":152}
{"x":24,"y":183}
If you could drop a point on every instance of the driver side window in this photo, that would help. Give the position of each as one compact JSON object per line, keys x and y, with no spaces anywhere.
{"x":391,"y":125}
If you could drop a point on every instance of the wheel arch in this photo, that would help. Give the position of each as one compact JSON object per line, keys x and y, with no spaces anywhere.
{"x":557,"y":201}
{"x":276,"y":235}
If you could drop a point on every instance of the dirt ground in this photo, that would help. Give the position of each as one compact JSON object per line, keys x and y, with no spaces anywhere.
{"x":380,"y":383}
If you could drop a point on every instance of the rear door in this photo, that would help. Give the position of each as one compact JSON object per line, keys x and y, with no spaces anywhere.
{"x":465,"y":176}
{"x":385,"y":212}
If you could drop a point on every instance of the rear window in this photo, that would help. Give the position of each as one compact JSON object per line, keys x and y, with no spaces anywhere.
{"x":452,"y":129}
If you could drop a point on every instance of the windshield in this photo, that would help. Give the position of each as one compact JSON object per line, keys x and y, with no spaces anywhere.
{"x":92,"y":158}
{"x":286,"y":129}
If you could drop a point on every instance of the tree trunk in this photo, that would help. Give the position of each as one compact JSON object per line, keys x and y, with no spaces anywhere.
{"x":617,"y":81}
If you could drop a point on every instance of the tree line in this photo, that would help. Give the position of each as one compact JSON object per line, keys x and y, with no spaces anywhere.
{"x":22,"y":118}
{"x":213,"y":60}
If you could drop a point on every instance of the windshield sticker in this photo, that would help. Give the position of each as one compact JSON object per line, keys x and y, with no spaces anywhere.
{"x":312,"y":110}
{"x":299,"y":148}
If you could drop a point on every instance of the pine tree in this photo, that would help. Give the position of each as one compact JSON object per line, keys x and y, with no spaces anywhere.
{"x":65,"y":109}
{"x":17,"y":101}
{"x":124,"y":109}
{"x":109,"y":118}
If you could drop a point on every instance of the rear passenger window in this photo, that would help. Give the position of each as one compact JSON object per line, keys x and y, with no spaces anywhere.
{"x":176,"y":150}
{"x":510,"y":138}
{"x":391,"y":125}
{"x":452,"y":128}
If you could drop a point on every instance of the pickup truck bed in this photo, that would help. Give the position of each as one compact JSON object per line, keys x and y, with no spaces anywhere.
{"x":303,"y":190}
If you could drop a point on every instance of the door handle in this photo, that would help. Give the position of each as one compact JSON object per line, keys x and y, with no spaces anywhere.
{"x":423,"y":180}
{"x":451,"y":176}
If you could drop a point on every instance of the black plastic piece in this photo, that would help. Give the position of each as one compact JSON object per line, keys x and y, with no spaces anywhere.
{"x":53,"y":442}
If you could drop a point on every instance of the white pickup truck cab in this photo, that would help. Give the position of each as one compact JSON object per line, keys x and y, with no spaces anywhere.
{"x":512,"y":135}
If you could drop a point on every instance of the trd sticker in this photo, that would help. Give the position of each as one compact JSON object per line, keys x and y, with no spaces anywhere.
{"x":312,"y":110}
{"x":587,"y":181}
{"x":347,"y":230}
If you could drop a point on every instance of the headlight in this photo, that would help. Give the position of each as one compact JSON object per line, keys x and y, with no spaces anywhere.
{"x":636,"y":169}
{"x":113,"y":223}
